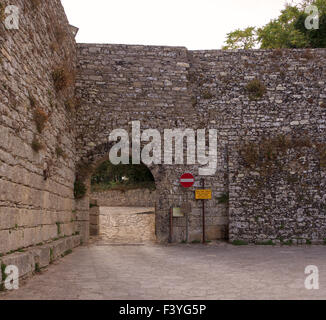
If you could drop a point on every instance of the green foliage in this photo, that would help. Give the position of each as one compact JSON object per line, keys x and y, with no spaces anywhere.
{"x":239,"y":243}
{"x":58,"y":227}
{"x":241,"y":39}
{"x":36,"y":145}
{"x":286,"y":31}
{"x":37,"y":268}
{"x":67,"y":252}
{"x":51,"y":256}
{"x":3,"y":274}
{"x":3,"y":277}
{"x":281,"y":32}
{"x":287,"y":243}
{"x":122,"y":177}
{"x":79,"y":189}
{"x":316,"y":38}
{"x":59,"y":151}
{"x":256,"y":89}
{"x":224,"y":198}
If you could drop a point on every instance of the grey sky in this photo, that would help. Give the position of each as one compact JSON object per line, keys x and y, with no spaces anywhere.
{"x":191,"y":23}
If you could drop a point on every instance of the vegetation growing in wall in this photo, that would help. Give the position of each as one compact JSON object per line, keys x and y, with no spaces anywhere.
{"x":35,"y":4}
{"x":79,"y":189}
{"x":265,"y":243}
{"x":207,"y":94}
{"x":59,"y":152}
{"x":264,"y":155}
{"x":58,"y":227}
{"x":62,"y":78}
{"x":37,"y":268}
{"x":32,"y":100}
{"x":3,"y":277}
{"x":40,"y":119}
{"x":67,"y":252}
{"x":59,"y":33}
{"x":37,"y":146}
{"x":239,"y":243}
{"x":70,"y":104}
{"x":256,"y":89}
{"x":224,"y":198}
{"x":51,"y":256}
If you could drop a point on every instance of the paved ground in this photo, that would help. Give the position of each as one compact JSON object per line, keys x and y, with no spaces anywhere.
{"x":103,"y":271}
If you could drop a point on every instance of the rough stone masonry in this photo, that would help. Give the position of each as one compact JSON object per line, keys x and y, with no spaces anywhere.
{"x":59,"y":101}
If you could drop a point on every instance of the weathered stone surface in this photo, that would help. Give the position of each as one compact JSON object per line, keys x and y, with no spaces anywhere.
{"x":131,"y":225}
{"x":29,"y":260}
{"x":163,"y":88}
{"x":128,"y":198}
{"x":168,"y":88}
{"x":30,"y":206}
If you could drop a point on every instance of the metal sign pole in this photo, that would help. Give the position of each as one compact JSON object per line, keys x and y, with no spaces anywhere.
{"x":171,"y":225}
{"x":203,"y":201}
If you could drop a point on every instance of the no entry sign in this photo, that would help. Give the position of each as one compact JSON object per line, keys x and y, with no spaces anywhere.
{"x":187,"y":180}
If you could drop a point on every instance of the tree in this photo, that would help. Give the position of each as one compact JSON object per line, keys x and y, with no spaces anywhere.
{"x":287,"y":31}
{"x":316,"y":37}
{"x":107,"y":173}
{"x":241,"y":39}
{"x":282,"y":32}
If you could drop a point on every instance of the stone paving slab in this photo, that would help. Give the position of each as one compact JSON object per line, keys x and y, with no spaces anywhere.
{"x":152,"y":271}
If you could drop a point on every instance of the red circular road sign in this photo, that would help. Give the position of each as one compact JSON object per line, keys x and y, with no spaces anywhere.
{"x":187,"y":180}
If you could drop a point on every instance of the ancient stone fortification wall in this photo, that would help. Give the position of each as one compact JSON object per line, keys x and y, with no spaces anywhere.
{"x":272,"y":187}
{"x":276,"y":185}
{"x":127,"y":198}
{"x":117,"y":84}
{"x":167,"y":88}
{"x":37,"y":150}
{"x":130,"y":225}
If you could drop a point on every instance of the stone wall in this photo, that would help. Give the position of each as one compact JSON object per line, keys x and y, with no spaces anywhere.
{"x":94,"y":220}
{"x":37,"y":151}
{"x":126,"y":198}
{"x":127,"y":225}
{"x":271,"y":149}
{"x":171,"y":87}
{"x":117,"y":84}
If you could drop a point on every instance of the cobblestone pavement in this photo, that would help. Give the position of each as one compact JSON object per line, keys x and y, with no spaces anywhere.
{"x":148,"y":271}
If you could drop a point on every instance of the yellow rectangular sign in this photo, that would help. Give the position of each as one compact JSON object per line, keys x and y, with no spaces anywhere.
{"x":204,"y":194}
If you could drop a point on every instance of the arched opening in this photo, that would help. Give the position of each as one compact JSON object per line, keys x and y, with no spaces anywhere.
{"x":122,"y":203}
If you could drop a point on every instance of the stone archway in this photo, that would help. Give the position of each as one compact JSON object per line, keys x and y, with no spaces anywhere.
{"x":122,"y":204}
{"x":87,"y":166}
